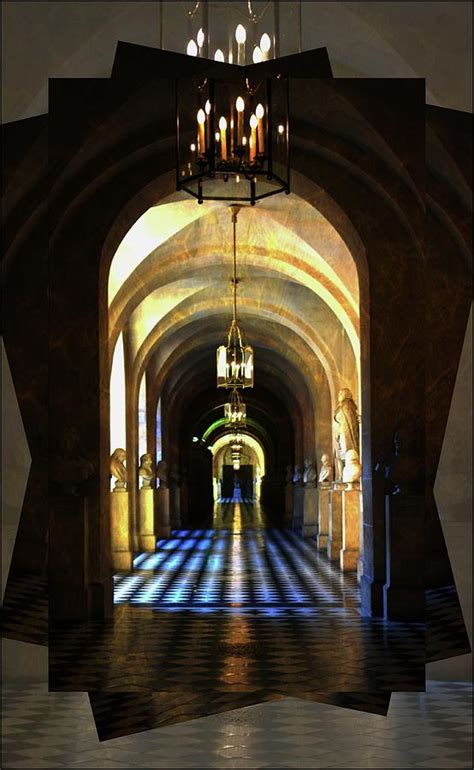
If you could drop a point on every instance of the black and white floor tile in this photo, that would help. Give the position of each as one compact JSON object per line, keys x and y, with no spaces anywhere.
{"x":430,"y":730}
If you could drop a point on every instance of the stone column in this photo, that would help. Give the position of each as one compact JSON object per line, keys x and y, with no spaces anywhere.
{"x":324,"y":492}
{"x":288,"y":503}
{"x":162,"y":512}
{"x":146,"y":519}
{"x":351,"y":517}
{"x":335,"y":523}
{"x":310,"y":510}
{"x":122,"y":553}
{"x":67,"y":578}
{"x":403,"y":592}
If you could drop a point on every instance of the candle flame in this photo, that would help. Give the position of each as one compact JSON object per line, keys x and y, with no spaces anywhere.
{"x":207,"y":107}
{"x":219,"y":55}
{"x":239,"y":104}
{"x":259,"y":112}
{"x":200,"y":38}
{"x":240,"y":33}
{"x":193,"y":147}
{"x":244,"y":140}
{"x":281,"y":129}
{"x":201,"y":117}
{"x":265,"y":42}
{"x":222,"y":123}
{"x":257,"y":55}
{"x":192,"y":49}
{"x":253,"y":121}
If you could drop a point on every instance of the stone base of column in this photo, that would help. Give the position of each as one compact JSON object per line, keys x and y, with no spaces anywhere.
{"x":146,"y":519}
{"x":101,"y":599}
{"x":68,"y":577}
{"x":310,"y":511}
{"x":162,"y":512}
{"x":334,"y":544}
{"x":324,"y":490}
{"x":288,"y":504}
{"x":404,"y":603}
{"x":122,"y":555}
{"x":298,"y":507}
{"x":175,"y":507}
{"x":371,"y":597}
{"x":351,"y":513}
{"x":403,"y":593}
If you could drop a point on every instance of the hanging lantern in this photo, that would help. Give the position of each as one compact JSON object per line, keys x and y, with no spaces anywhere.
{"x":235,"y":411}
{"x":232,"y":150}
{"x":234,"y":360}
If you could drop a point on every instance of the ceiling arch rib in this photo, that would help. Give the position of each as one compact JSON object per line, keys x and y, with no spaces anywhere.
{"x":198,"y":268}
{"x":292,"y":225}
{"x":198,"y":311}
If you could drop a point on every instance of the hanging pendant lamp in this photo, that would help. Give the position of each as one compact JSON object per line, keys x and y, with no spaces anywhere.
{"x":234,"y":359}
{"x":235,"y":411}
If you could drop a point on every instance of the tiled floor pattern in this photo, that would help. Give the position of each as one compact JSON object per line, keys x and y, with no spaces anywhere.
{"x":266,"y":572}
{"x":429,"y":730}
{"x":237,"y":610}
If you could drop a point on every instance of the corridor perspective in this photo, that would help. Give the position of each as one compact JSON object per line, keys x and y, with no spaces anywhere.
{"x":237,"y":567}
{"x":232,"y":496}
{"x":238,"y":608}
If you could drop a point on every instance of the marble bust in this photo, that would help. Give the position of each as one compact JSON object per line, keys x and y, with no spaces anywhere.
{"x":352,"y":467}
{"x":118,"y":470}
{"x":309,"y":476}
{"x":326,"y":472}
{"x":162,"y":473}
{"x":297,"y":476}
{"x":145,"y":470}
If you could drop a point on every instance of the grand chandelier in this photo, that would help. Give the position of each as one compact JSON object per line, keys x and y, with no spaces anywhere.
{"x":234,"y":359}
{"x":232,"y":137}
{"x":251,"y":34}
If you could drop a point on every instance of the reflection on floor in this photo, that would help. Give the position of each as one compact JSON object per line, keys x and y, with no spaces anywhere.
{"x":265,"y":572}
{"x":253,"y":612}
{"x":430,"y":730}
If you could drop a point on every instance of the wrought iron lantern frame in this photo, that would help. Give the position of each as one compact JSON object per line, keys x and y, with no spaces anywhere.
{"x":235,"y":165}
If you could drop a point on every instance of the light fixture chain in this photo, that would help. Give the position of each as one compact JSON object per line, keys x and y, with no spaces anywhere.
{"x":234,"y":225}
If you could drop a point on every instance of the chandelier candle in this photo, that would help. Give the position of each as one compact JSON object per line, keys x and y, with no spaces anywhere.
{"x":260,"y":114}
{"x":201,"y":119}
{"x":223,"y":137}
{"x":240,"y":106}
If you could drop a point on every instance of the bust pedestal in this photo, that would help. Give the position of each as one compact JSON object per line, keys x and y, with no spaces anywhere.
{"x":351,"y":514}
{"x":310,"y":515}
{"x":324,"y":490}
{"x":288,"y":503}
{"x":298,"y":507}
{"x":162,"y":512}
{"x":335,"y":524}
{"x":122,"y":556}
{"x":174,"y":505}
{"x":146,"y":519}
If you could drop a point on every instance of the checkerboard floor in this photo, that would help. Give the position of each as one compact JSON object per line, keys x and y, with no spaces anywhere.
{"x":240,"y":611}
{"x":432,"y":730}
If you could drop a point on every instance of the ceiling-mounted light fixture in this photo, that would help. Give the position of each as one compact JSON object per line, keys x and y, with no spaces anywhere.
{"x":228,"y":141}
{"x":235,"y":411}
{"x":234,"y":359}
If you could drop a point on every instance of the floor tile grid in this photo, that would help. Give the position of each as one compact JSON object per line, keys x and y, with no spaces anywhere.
{"x":42,"y":729}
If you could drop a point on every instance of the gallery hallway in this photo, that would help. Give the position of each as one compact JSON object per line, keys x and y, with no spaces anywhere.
{"x":237,"y":609}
